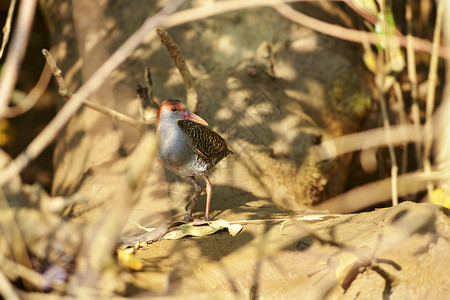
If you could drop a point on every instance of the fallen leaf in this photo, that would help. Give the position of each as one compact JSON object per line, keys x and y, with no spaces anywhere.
{"x":202,"y":230}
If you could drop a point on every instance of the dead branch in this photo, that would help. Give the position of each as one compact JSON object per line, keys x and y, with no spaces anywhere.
{"x":63,"y":91}
{"x":352,"y":35}
{"x":7,"y":27}
{"x":33,"y":96}
{"x":101,"y":238}
{"x":6,"y":288}
{"x":16,"y":52}
{"x":180,"y":63}
{"x":432,"y":77}
{"x":149,"y":106}
{"x":94,"y":82}
{"x":380,"y":191}
{"x":412,"y":75}
{"x":367,"y":139}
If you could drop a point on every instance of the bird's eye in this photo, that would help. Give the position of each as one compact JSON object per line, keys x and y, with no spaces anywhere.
{"x":174,"y":108}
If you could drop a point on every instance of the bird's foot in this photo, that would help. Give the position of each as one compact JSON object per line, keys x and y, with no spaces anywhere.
{"x":201,"y":221}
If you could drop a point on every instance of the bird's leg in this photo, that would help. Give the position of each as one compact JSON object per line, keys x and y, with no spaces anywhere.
{"x":194,"y":199}
{"x":208,"y":197}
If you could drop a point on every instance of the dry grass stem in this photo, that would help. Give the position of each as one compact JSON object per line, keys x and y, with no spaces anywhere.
{"x":96,"y":255}
{"x":62,"y":117}
{"x":33,"y":96}
{"x":399,"y":134}
{"x":179,"y":61}
{"x":380,"y":191}
{"x":352,"y":35}
{"x":403,"y":121}
{"x":412,"y":75}
{"x":149,"y":86}
{"x":16,"y":52}
{"x":149,"y":106}
{"x":6,"y":288}
{"x":63,"y":91}
{"x":379,"y":82}
{"x":7,"y":28}
{"x":432,"y":78}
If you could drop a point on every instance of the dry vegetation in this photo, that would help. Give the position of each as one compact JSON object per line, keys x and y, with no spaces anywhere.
{"x":354,"y":134}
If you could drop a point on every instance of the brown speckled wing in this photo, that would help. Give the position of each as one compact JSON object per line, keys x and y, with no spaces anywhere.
{"x":211,"y":146}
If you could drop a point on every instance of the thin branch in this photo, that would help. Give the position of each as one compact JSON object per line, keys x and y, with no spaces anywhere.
{"x":365,"y":140}
{"x":16,"y":52}
{"x":50,"y":131}
{"x":380,"y":191}
{"x":149,"y":86}
{"x":177,"y":57}
{"x":19,"y":270}
{"x":96,"y":253}
{"x":379,"y":80}
{"x":411,"y":63}
{"x":63,"y":91}
{"x":33,"y":96}
{"x":432,"y":77}
{"x":6,"y":288}
{"x":402,"y":117}
{"x":149,"y":106}
{"x":7,"y":27}
{"x":352,"y":35}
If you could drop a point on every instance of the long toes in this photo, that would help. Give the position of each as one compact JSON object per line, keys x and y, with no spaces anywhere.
{"x":200,"y":221}
{"x":187,"y":218}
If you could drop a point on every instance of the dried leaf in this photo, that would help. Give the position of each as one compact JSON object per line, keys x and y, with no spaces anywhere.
{"x":202,"y":230}
{"x":370,"y":61}
{"x":129,"y":260}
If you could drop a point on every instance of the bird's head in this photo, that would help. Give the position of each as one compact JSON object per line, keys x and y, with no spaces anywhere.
{"x":174,"y":110}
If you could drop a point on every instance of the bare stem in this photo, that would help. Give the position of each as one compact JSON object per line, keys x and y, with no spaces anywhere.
{"x":352,"y":35}
{"x":411,"y":61}
{"x":33,"y":96}
{"x":402,"y":117}
{"x":379,"y":191}
{"x":432,"y":77}
{"x":7,"y":27}
{"x":394,"y":167}
{"x":16,"y":52}
{"x":180,"y":63}
{"x":50,"y":131}
{"x":63,"y":91}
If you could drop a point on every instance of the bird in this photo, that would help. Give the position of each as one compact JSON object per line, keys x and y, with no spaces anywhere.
{"x":189,"y":148}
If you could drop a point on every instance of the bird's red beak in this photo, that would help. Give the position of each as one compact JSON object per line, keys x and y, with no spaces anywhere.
{"x":187,"y":115}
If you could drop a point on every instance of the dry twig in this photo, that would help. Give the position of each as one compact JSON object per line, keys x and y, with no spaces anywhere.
{"x":380,"y":79}
{"x":6,"y":288}
{"x":16,"y":52}
{"x":180,"y":63}
{"x":33,"y":96}
{"x":411,"y":63}
{"x":50,"y":131}
{"x":379,"y":191}
{"x":101,"y":238}
{"x":63,"y":91}
{"x":7,"y":27}
{"x":351,"y":35}
{"x":403,"y":121}
{"x":432,"y":77}
{"x":367,"y":139}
